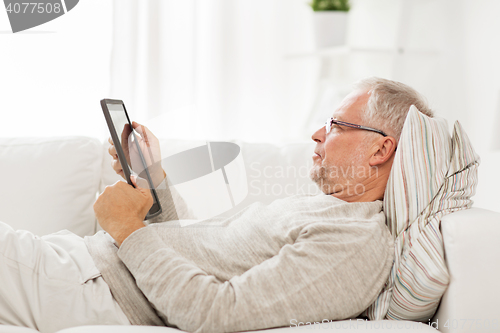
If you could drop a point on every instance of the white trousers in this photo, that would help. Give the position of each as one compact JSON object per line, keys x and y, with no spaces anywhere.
{"x":49,"y":283}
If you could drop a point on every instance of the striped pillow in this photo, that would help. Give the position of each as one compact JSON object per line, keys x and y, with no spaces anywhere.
{"x":432,"y":175}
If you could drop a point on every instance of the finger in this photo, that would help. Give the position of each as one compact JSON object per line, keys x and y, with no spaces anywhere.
{"x":115,"y":164}
{"x":111,"y":141}
{"x":145,"y":193}
{"x":140,"y":183}
{"x":133,"y":178}
{"x":142,"y":130}
{"x":112,"y":152}
{"x":138,"y":127}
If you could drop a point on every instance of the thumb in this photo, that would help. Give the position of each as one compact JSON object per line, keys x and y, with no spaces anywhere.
{"x":142,"y":130}
{"x":140,"y":184}
{"x":133,"y":179}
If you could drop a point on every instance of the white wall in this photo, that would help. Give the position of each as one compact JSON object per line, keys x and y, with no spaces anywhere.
{"x":56,"y":73}
{"x":482,"y":70}
{"x":53,"y":76}
{"x":461,"y":82}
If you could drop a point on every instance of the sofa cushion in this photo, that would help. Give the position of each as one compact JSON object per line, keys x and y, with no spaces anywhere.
{"x":432,"y":175}
{"x":470,"y":304}
{"x":49,"y":184}
{"x":273,"y":171}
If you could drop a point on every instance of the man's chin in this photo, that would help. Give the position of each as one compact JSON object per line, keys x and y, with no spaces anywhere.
{"x":318,"y":174}
{"x":328,"y":190}
{"x":325,"y":188}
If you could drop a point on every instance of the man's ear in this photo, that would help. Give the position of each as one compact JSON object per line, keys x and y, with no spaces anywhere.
{"x":383,"y":150}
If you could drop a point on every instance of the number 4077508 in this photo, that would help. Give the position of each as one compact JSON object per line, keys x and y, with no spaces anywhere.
{"x":34,"y":7}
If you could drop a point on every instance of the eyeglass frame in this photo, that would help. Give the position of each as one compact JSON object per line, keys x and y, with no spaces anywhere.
{"x":332,"y":121}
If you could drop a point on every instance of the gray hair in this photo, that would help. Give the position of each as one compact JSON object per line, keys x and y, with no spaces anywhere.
{"x":389,"y":103}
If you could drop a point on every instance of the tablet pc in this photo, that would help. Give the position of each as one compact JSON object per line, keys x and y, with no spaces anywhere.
{"x":120,"y":128}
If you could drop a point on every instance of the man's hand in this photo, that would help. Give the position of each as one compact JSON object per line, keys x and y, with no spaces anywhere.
{"x":150,"y":147}
{"x":120,"y":209}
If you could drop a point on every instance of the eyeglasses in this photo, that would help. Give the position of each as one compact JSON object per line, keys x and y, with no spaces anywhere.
{"x":331,"y":121}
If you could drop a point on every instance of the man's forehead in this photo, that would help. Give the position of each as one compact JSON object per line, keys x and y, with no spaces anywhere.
{"x":350,"y":108}
{"x":346,"y":117}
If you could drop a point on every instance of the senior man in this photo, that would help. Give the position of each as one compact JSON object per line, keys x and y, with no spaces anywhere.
{"x":299,"y":259}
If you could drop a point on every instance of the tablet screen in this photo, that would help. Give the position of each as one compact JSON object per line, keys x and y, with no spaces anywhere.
{"x":122,"y":128}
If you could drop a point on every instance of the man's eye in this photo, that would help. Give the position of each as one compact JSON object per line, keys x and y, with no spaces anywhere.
{"x":335,"y":126}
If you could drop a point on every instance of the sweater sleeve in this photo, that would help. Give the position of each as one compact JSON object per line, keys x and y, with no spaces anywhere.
{"x":325,"y":274}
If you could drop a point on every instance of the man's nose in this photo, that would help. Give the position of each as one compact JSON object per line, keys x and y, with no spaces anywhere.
{"x":319,"y":135}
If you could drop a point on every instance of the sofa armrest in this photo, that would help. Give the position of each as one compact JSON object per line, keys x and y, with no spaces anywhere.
{"x":472,"y":252}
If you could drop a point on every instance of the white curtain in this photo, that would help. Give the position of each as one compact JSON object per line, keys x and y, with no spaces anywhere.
{"x":54,"y":75}
{"x":213,"y":69}
{"x":225,"y":69}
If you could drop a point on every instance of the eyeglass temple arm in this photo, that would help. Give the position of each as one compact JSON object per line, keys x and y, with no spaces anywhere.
{"x":372,"y":129}
{"x":360,"y":127}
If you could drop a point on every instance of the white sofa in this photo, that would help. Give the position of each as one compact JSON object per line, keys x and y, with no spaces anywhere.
{"x":49,"y":184}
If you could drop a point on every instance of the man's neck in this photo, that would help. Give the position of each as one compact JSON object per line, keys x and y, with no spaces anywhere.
{"x":369,"y":189}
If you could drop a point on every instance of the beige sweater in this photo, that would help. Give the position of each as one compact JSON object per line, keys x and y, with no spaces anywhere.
{"x":303,"y":258}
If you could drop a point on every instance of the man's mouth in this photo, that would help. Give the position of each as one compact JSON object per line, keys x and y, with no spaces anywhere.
{"x":316,"y":155}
